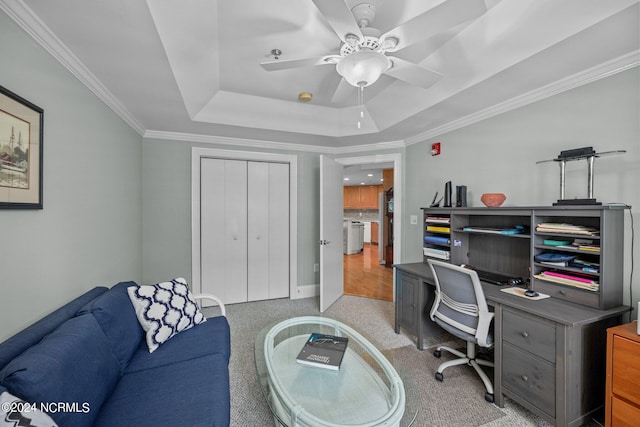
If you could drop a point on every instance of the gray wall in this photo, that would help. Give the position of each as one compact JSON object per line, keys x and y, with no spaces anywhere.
{"x":166,"y":183}
{"x":499,"y":155}
{"x":89,"y":232}
{"x":118,"y":208}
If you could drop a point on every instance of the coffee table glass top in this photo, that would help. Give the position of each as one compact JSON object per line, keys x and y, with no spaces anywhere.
{"x":366,"y":391}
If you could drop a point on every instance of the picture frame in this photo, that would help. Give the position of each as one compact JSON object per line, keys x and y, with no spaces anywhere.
{"x":21,"y":152}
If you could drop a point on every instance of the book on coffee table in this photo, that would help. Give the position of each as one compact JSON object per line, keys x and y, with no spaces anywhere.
{"x":323,"y":351}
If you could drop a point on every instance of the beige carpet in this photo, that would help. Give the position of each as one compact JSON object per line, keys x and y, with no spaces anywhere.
{"x":459,"y":401}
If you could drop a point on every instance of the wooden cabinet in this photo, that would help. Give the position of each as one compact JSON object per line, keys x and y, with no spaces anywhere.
{"x":413,"y":299}
{"x":598,"y":254}
{"x":351,"y":197}
{"x":508,"y":241}
{"x":529,"y":359}
{"x":361,"y":196}
{"x":375,"y":227}
{"x":549,"y":355}
{"x":622,"y":398}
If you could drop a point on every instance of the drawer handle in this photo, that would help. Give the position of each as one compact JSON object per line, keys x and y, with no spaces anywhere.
{"x":525,"y":378}
{"x":563,"y":292}
{"x":525,"y":334}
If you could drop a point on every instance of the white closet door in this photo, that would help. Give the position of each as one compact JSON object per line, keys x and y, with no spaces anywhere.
{"x":223,"y":217}
{"x":268,"y":230}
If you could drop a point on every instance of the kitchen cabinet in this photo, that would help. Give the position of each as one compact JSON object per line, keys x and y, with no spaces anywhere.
{"x":361,"y":196}
{"x":622,"y":404}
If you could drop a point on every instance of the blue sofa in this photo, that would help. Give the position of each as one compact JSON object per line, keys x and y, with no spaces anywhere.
{"x":89,"y":359}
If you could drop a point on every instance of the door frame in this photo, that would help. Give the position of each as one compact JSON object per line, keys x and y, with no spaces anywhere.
{"x":197,"y":153}
{"x":396,"y":158}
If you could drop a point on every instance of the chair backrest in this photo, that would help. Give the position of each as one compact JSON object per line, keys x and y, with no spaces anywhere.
{"x":460,"y":302}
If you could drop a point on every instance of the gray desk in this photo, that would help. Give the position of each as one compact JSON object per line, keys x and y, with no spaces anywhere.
{"x":549,"y":354}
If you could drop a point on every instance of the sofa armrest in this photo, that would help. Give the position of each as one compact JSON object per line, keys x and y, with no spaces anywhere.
{"x":212,"y":298}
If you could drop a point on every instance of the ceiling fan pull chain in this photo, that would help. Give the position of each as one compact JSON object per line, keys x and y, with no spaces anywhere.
{"x":361,"y":104}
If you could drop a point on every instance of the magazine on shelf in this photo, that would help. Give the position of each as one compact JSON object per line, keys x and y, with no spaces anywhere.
{"x":438,"y":229}
{"x":551,"y":227}
{"x":590,"y":285}
{"x":437,"y":253}
{"x":323,"y":351}
{"x":438,"y":219}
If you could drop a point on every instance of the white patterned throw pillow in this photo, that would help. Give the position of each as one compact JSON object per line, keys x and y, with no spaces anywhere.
{"x":16,"y":412}
{"x":164,"y":310}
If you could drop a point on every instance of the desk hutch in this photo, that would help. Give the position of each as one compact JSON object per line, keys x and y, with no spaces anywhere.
{"x":541,"y":346}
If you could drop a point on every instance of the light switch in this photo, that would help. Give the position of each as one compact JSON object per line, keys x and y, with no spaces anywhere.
{"x":414,"y":219}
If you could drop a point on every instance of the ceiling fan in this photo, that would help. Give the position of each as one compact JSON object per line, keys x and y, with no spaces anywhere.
{"x":363,"y":55}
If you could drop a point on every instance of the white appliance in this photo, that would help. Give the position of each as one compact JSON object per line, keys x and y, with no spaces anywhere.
{"x":354,"y":231}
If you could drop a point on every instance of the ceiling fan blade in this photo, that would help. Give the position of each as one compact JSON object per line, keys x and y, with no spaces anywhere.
{"x":339,"y":17}
{"x":297,"y":63}
{"x":412,"y":73}
{"x":438,"y":19}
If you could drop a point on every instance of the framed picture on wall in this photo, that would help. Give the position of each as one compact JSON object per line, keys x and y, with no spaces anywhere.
{"x":20,"y":152}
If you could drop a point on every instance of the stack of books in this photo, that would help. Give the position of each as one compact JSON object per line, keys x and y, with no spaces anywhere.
{"x":437,"y":253}
{"x":437,"y":240}
{"x":586,"y":266}
{"x":438,"y":229}
{"x":438,"y":219}
{"x":568,"y":279}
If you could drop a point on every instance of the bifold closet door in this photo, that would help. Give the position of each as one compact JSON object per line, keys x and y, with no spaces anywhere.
{"x":268,"y":230}
{"x":223,"y":225}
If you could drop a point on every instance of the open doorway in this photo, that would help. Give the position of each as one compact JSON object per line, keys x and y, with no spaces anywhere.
{"x":369,"y":187}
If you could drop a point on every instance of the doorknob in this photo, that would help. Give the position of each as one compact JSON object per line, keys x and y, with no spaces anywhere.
{"x":324,"y":242}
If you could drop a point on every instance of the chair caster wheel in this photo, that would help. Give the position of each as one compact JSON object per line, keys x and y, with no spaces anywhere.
{"x":488,"y":397}
{"x":437,"y":353}
{"x":439,"y":377}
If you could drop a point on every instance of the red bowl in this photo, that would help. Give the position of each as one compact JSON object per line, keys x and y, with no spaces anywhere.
{"x":493,"y":200}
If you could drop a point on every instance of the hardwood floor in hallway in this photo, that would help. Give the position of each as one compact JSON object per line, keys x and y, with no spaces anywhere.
{"x":365,"y":277}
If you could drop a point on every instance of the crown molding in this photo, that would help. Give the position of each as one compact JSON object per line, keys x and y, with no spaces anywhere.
{"x":32,"y":25}
{"x":236,"y":142}
{"x":591,"y":75}
{"x":255,"y":143}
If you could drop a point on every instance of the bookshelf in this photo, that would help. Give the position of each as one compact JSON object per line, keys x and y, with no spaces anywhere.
{"x":511,"y":241}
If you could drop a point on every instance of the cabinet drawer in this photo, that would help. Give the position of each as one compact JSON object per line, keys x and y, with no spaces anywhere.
{"x":588,"y":298}
{"x":626,"y":359}
{"x":407,"y":301}
{"x":529,"y":377}
{"x":531,"y":334}
{"x":623,"y":414}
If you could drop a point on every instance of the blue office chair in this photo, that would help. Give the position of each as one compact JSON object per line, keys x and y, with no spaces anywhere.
{"x":461,"y":309}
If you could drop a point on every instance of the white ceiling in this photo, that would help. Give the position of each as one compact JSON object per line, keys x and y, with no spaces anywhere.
{"x":190,"y":69}
{"x":368,"y":174}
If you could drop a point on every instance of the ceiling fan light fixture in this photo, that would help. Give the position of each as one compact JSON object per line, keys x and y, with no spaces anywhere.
{"x":389,"y":43}
{"x":363,"y":68}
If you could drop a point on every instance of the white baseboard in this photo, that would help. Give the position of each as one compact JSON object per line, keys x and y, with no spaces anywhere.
{"x":306,"y":291}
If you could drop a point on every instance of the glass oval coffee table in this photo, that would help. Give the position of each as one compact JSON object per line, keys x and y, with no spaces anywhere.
{"x":366,"y":391}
